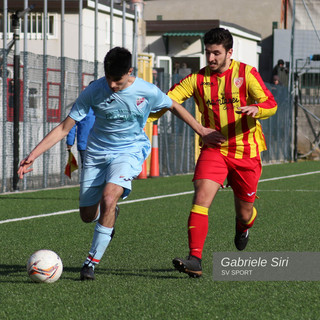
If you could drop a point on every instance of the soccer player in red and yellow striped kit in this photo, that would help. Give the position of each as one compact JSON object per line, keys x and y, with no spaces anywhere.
{"x":231,"y":97}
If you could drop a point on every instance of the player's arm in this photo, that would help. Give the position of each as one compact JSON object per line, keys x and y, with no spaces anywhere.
{"x":184,"y":89}
{"x":209,"y":136}
{"x":265,"y":105}
{"x":179,"y":92}
{"x":54,"y":136}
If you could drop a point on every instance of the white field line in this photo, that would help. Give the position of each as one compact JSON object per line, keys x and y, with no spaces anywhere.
{"x":161,"y":197}
{"x":39,"y":216}
{"x":291,"y":176}
{"x":288,"y":190}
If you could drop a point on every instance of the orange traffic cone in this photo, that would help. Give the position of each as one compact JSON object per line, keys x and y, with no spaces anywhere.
{"x":143,"y":173}
{"x":154,"y":166}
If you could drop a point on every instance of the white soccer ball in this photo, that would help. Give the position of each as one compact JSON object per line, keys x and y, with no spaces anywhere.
{"x":44,"y":266}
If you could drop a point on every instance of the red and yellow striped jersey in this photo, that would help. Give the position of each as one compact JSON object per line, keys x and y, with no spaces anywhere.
{"x":219,"y":95}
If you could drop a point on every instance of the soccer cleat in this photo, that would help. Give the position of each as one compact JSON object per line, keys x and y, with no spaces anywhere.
{"x":191,"y":266}
{"x":116,"y":216}
{"x":241,"y":239}
{"x":87,"y":272}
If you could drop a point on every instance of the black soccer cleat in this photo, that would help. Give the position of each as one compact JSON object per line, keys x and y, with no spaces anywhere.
{"x":241,"y":239}
{"x":87,"y":273}
{"x":191,"y":266}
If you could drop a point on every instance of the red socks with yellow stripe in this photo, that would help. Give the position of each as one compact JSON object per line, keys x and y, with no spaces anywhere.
{"x":197,"y":229}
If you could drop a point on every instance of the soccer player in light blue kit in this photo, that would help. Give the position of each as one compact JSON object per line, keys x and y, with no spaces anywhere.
{"x":117,"y":145}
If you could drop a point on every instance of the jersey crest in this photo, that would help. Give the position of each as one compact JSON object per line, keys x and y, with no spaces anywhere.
{"x":238,"y":82}
{"x":140,"y":100}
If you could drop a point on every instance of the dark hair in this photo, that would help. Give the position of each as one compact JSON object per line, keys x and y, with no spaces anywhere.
{"x":219,"y":36}
{"x":280,"y":61}
{"x":117,"y":62}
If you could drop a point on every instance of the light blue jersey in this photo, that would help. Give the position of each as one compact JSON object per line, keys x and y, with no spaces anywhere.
{"x":120,"y":116}
{"x":117,"y":144}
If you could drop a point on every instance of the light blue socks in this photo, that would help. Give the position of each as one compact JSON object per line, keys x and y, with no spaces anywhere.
{"x":100,"y":242}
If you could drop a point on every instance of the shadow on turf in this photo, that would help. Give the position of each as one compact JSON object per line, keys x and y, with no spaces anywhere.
{"x":5,"y":269}
{"x":11,"y":271}
{"x":147,"y":273}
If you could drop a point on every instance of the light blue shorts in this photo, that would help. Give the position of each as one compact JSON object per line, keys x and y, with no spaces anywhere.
{"x":97,"y":171}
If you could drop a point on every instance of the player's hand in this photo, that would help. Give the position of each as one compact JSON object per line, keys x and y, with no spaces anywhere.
{"x":248,"y":110}
{"x":212,"y":138}
{"x":24,"y":166}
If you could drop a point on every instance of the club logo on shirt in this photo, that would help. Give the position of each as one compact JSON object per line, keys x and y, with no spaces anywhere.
{"x":140,"y":100}
{"x":238,"y":82}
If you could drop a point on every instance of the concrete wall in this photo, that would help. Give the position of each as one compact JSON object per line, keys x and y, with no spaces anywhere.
{"x":250,"y":14}
{"x":254,"y":15}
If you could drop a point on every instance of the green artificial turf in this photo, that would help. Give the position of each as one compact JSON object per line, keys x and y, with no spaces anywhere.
{"x":135,"y":279}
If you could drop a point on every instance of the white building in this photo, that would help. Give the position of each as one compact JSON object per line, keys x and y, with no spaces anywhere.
{"x":179,"y":49}
{"x":113,"y":28}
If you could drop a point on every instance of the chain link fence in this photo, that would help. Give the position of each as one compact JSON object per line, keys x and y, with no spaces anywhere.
{"x":36,"y":120}
{"x":305,"y":78}
{"x":278,"y":128}
{"x":41,"y":110}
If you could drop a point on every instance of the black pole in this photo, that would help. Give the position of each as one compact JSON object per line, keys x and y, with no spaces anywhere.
{"x":16,"y":98}
{"x":295,"y":154}
{"x":16,"y":92}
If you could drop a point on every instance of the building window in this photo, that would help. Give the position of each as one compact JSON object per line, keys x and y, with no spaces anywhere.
{"x":35,"y":25}
{"x":51,"y":25}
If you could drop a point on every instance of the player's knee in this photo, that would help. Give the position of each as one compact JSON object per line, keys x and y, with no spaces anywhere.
{"x":245,"y":215}
{"x":86,"y":217}
{"x":108,"y":200}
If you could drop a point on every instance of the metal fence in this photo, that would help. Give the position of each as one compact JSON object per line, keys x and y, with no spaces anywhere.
{"x":278,"y":128}
{"x":307,"y":110}
{"x":176,"y":144}
{"x":40,"y":112}
{"x":305,"y":79}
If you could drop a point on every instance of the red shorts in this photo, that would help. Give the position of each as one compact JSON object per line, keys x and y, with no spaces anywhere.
{"x":242,"y":174}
